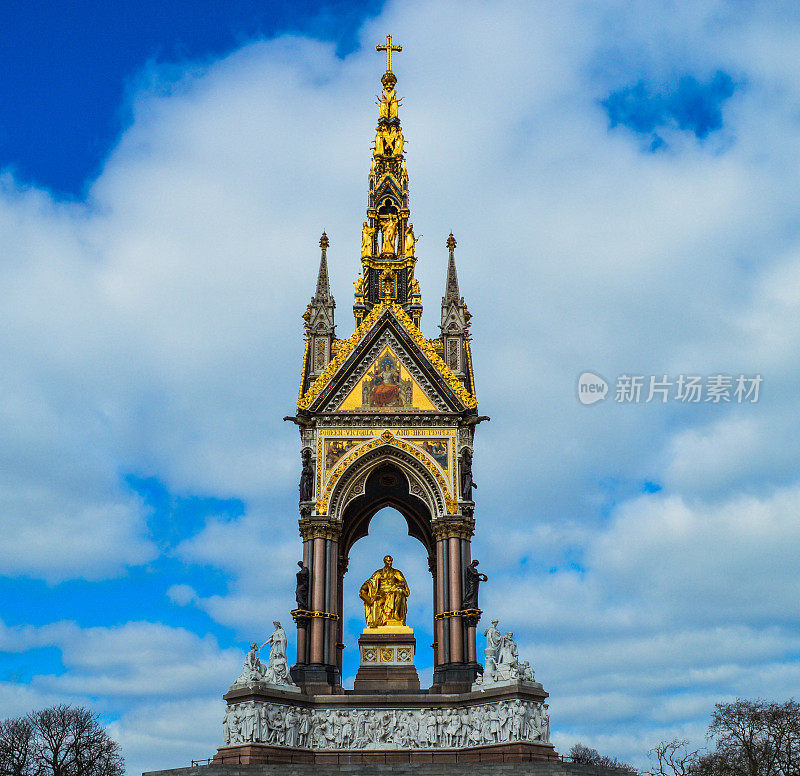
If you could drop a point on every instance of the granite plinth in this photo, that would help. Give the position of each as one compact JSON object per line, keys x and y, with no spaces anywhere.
{"x":387,"y":661}
{"x":260,"y":754}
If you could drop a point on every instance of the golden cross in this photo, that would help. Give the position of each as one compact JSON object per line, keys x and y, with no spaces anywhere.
{"x":388,"y":48}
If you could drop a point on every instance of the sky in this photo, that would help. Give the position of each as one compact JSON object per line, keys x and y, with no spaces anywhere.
{"x":622,"y":182}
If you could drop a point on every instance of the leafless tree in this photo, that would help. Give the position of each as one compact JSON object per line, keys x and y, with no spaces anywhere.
{"x":58,"y":741}
{"x":750,"y":738}
{"x":17,"y":747}
{"x":584,"y":755}
{"x":754,"y":738}
{"x":674,"y":758}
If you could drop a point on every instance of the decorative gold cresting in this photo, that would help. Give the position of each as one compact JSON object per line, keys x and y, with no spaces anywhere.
{"x":346,"y":347}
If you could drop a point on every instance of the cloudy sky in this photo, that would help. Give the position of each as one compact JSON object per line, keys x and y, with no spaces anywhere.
{"x":622,"y":179}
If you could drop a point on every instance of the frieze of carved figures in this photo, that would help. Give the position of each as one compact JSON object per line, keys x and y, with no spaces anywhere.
{"x":501,"y":660}
{"x":366,"y":728}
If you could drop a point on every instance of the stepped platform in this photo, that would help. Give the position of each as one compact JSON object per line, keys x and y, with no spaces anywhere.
{"x":538,"y":768}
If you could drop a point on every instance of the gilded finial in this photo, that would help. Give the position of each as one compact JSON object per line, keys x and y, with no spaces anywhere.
{"x":323,"y":241}
{"x":388,"y":48}
{"x":451,"y":242}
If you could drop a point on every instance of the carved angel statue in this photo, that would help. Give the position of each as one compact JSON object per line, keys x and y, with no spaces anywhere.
{"x":410,"y":241}
{"x":388,"y":103}
{"x":367,"y":235}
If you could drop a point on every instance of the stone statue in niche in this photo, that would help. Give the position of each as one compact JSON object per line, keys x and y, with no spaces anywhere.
{"x":467,"y":483}
{"x":385,"y":596}
{"x":388,"y":233}
{"x":307,"y":477}
{"x":472,"y":579}
{"x":301,"y":590}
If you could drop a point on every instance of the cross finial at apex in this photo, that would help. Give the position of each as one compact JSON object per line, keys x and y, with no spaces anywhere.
{"x":451,"y":242}
{"x":388,"y":48}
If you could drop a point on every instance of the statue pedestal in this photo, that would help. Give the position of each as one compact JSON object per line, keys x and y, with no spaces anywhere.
{"x":387,"y":660}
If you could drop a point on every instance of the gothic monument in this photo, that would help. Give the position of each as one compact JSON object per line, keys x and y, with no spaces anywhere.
{"x":386,"y":418}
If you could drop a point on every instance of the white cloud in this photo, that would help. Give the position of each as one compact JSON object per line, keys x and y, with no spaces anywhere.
{"x":155,"y":329}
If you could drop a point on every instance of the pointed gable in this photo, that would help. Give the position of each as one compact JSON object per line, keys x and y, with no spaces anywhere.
{"x":387,"y":334}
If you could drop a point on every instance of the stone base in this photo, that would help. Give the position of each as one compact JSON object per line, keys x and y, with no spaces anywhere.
{"x":387,"y":661}
{"x":316,"y":678}
{"x":463,"y":767}
{"x":260,"y":754}
{"x":455,"y":677}
{"x":501,"y":724}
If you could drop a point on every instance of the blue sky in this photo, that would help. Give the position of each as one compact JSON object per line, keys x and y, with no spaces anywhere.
{"x":621,"y":179}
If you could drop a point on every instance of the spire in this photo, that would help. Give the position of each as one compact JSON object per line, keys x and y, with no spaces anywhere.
{"x":320,"y":322}
{"x":388,"y":242}
{"x":451,"y":293}
{"x":323,"y":284}
{"x":455,"y":319}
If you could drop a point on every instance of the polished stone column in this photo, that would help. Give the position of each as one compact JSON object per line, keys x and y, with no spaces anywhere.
{"x":454,"y":575}
{"x":317,"y":668}
{"x":318,"y":601}
{"x":455,"y":668}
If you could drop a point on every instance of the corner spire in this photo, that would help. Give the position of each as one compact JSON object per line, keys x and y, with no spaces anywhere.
{"x":323,"y":283}
{"x":451,"y":293}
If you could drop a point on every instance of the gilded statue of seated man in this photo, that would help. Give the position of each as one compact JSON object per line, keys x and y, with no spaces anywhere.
{"x":384,"y":595}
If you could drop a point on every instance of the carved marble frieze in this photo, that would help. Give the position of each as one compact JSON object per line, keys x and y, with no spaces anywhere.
{"x":278,"y":724}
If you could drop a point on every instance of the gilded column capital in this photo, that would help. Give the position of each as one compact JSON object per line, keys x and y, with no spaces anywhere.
{"x":453,"y":527}
{"x":320,"y":528}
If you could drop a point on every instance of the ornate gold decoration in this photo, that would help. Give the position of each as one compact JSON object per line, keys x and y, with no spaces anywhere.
{"x":367,"y":239}
{"x":387,"y":437}
{"x":387,"y":655}
{"x":468,"y":400}
{"x":323,"y":241}
{"x":305,"y":400}
{"x":459,"y":613}
{"x":451,"y":242}
{"x":345,"y":348}
{"x":388,"y":48}
{"x":307,"y":615}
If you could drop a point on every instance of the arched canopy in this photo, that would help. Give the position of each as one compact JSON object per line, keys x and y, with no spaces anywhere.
{"x":386,"y":486}
{"x":388,"y":476}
